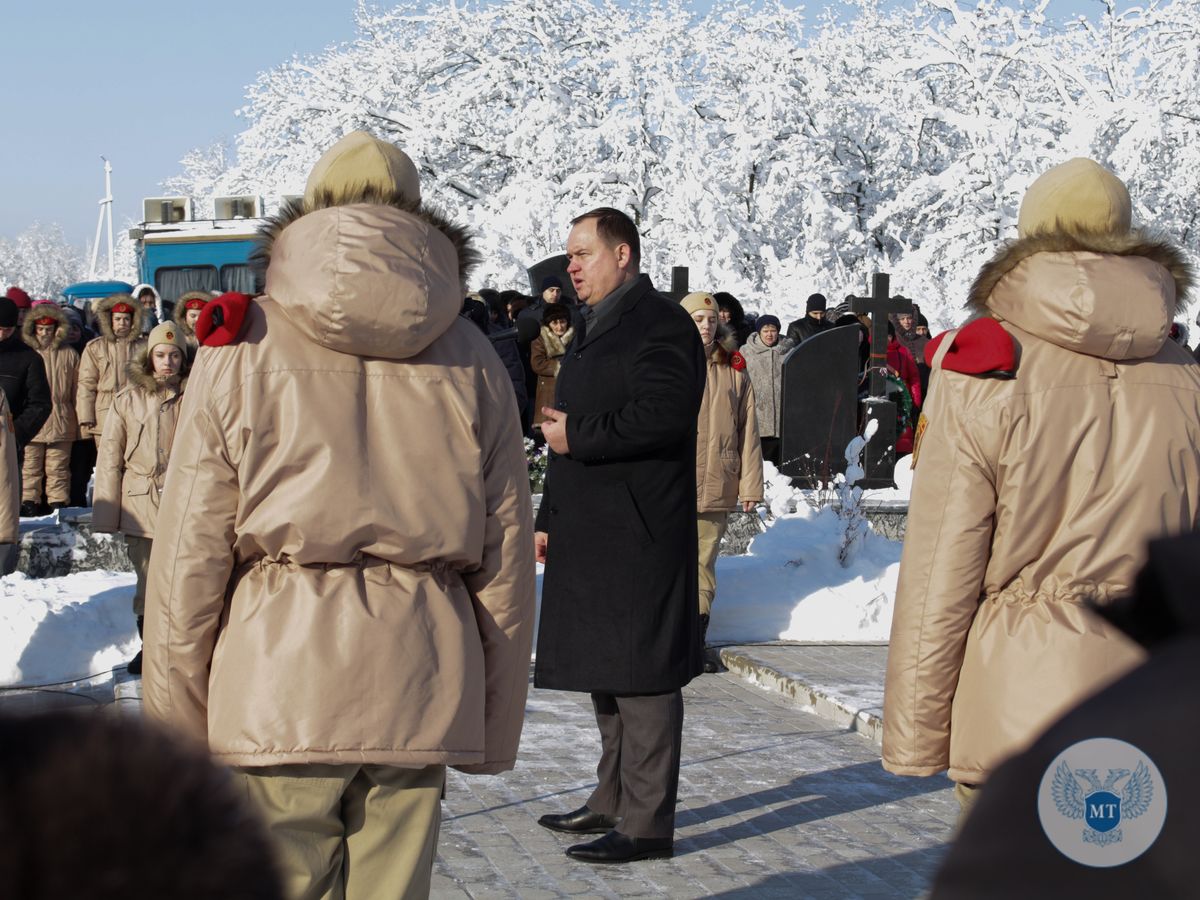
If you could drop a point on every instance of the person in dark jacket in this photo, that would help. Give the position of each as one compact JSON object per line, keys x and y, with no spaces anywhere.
{"x":507,"y":349}
{"x":617,"y":531}
{"x":732,"y":314}
{"x":83,"y":449}
{"x":23,"y":378}
{"x":813,"y":321}
{"x":1003,"y":850}
{"x":552,"y":292}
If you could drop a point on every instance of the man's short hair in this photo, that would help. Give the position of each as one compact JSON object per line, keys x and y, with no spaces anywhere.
{"x":615,"y":228}
{"x":109,"y":806}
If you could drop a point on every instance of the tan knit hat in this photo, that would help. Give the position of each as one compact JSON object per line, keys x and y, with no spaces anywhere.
{"x":359,"y":160}
{"x":698,"y":300}
{"x":1077,"y":195}
{"x":166,"y":333}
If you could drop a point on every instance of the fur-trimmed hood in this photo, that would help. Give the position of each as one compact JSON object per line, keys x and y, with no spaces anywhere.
{"x":556,"y":346}
{"x":376,"y":275}
{"x":41,"y":311}
{"x":158,"y":300}
{"x":139,"y":373}
{"x":1112,"y":296}
{"x":103,"y":311}
{"x":179,"y":311}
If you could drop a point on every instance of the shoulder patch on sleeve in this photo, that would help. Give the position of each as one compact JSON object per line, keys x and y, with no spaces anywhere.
{"x":981,"y":347}
{"x":221,"y":320}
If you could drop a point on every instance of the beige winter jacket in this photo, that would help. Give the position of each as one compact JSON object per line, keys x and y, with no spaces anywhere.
{"x":728,"y":451}
{"x":343,"y":567}
{"x":103,"y":366}
{"x":10,"y":477}
{"x":62,"y":372}
{"x":131,"y":463}
{"x":1036,"y":493}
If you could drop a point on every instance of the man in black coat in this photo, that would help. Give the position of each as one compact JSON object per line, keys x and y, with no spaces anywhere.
{"x":23,"y":378}
{"x":1003,"y":849}
{"x":617,"y":531}
{"x":813,"y":321}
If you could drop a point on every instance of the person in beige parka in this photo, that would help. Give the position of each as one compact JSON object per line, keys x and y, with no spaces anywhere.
{"x":102,"y":368}
{"x":1037,"y":488}
{"x":728,"y":452}
{"x":341,"y":597}
{"x":187,"y":312}
{"x":47,"y":463}
{"x":131,"y":465}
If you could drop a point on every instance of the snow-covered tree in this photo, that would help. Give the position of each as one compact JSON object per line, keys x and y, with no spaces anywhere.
{"x":772,"y":155}
{"x":40,"y":261}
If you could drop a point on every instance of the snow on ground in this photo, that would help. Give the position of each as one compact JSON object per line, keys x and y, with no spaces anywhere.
{"x":900,"y":493}
{"x":65,"y":629}
{"x":791,"y":586}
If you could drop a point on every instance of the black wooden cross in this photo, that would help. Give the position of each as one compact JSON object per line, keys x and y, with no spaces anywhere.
{"x":879,"y":456}
{"x":878,"y":306}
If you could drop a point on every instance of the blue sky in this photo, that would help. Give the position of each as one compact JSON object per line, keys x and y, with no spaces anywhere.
{"x":142,"y":83}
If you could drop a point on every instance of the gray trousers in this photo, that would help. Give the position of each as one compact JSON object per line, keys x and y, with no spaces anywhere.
{"x":640,"y":740}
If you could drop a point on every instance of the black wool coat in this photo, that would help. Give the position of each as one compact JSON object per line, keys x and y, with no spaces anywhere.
{"x":620,"y":605}
{"x":23,"y":380}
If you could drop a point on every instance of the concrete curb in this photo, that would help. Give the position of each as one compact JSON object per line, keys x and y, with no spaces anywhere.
{"x":826,"y":705}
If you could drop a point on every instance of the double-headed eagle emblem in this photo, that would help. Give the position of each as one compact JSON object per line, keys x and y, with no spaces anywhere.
{"x":1099,"y":805}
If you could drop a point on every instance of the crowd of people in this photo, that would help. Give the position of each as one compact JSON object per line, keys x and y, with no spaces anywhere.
{"x":758,"y":340}
{"x":94,"y":393}
{"x":275,"y":491}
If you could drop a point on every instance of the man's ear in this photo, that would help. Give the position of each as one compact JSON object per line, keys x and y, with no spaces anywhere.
{"x":624,"y":255}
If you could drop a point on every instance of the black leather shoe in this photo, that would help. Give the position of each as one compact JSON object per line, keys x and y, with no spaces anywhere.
{"x":582,"y":821}
{"x":615,"y":847}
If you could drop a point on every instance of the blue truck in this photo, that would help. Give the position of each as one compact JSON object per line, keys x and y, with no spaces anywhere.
{"x":177,"y":253}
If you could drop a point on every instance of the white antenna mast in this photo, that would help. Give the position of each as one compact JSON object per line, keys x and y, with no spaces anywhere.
{"x":105,"y":215}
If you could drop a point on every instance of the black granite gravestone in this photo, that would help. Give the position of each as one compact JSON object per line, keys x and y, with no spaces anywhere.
{"x":819,"y":400}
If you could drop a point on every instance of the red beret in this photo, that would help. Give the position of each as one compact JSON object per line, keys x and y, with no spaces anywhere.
{"x":195,"y":303}
{"x":19,"y":297}
{"x":981,"y":347}
{"x":46,"y":320}
{"x":221,"y":320}
{"x":122,"y":308}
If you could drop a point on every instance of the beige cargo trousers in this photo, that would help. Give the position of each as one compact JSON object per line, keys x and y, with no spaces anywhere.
{"x":350,"y":832}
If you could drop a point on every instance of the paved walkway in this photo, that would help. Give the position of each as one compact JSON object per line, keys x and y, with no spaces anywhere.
{"x":773,"y":802}
{"x":774,"y":799}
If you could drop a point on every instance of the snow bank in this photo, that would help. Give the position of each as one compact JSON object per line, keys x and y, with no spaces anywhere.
{"x":65,"y":629}
{"x":791,"y":585}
